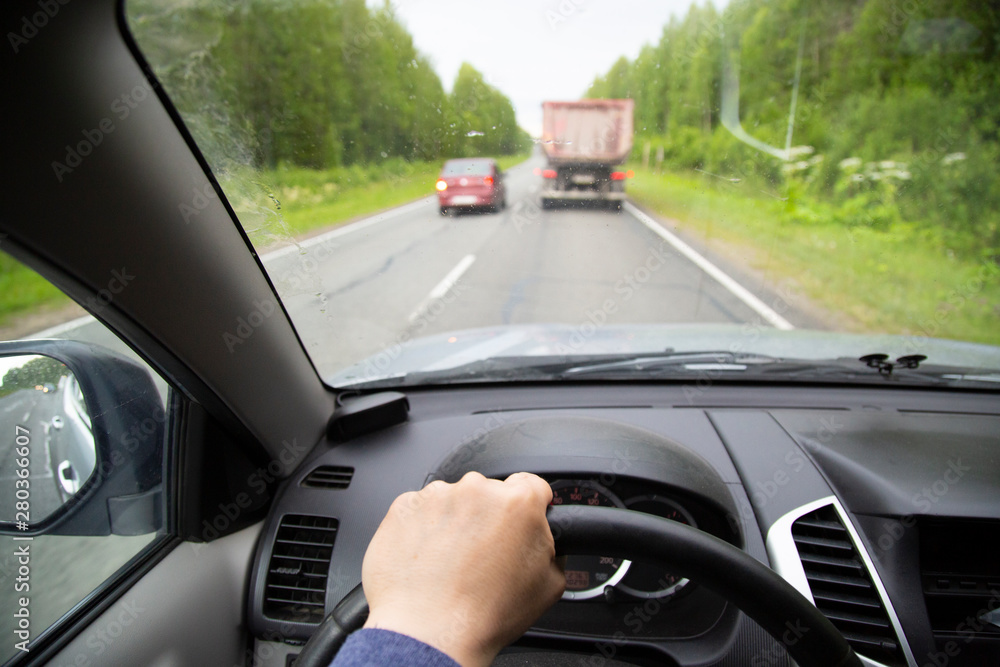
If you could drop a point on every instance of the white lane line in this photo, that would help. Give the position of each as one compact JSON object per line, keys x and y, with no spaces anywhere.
{"x":442,"y":287}
{"x":740,"y":292}
{"x":48,"y":457}
{"x":348,"y":229}
{"x":60,"y":329}
{"x":449,"y":280}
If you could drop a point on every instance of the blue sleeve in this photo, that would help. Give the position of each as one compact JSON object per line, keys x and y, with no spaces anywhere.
{"x":370,"y":647}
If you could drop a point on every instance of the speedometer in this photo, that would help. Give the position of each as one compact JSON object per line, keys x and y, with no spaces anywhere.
{"x":645,"y":580}
{"x":588,"y":576}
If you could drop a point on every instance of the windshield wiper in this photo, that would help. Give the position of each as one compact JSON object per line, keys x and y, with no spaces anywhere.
{"x":670,"y":365}
{"x":571,"y":366}
{"x":697,"y":361}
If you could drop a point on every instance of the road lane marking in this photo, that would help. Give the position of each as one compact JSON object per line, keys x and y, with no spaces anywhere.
{"x":442,"y":287}
{"x":59,"y":329}
{"x":348,"y":229}
{"x":737,"y":290}
{"x":47,"y":472}
{"x":449,"y":280}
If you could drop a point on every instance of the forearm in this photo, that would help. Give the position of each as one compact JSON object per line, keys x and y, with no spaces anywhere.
{"x":373,"y":647}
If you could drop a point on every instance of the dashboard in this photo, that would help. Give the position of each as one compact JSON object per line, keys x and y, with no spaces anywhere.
{"x":882,"y":506}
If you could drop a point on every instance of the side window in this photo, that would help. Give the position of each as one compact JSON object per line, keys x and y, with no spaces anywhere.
{"x":82,"y":442}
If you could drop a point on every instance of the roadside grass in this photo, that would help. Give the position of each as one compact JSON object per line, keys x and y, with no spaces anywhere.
{"x":904,"y":280}
{"x":308,"y":205}
{"x":23,"y":291}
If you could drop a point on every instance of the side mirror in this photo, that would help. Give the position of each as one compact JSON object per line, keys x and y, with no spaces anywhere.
{"x":81,"y":441}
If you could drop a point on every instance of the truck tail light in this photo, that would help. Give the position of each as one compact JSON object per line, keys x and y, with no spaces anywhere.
{"x":549,"y":173}
{"x":441,"y":185}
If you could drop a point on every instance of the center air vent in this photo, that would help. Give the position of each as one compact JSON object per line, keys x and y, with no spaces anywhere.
{"x":842,"y":587}
{"x":295,"y":589}
{"x":329,"y":477}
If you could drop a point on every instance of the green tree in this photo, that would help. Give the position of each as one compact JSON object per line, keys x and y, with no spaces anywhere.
{"x":314,"y":83}
{"x":911,"y":85}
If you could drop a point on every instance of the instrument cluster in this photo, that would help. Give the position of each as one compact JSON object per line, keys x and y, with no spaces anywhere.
{"x":616,"y":579}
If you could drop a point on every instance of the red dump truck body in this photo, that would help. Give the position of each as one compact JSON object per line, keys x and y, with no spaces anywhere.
{"x":584,"y":141}
{"x":587,"y":131}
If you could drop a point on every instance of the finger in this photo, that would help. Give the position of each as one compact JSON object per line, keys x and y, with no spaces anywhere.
{"x":537,"y":486}
{"x":473,"y":476}
{"x":436,"y":486}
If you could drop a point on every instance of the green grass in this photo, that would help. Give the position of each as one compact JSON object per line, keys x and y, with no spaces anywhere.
{"x":23,"y":291}
{"x":314,"y":208}
{"x":904,"y":280}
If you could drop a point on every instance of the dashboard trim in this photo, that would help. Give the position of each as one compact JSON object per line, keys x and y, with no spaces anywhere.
{"x":785,"y":561}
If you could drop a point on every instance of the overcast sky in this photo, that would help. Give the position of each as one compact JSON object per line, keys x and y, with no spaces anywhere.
{"x":534,"y":50}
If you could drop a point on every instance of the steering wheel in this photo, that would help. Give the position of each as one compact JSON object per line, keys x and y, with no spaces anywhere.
{"x":685,"y":551}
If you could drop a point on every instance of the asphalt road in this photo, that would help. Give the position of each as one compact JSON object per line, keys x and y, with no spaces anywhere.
{"x":409,"y":271}
{"x":32,"y":410}
{"x":361,"y":288}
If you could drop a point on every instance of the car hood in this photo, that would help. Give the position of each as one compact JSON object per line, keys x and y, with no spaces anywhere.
{"x":454,"y":349}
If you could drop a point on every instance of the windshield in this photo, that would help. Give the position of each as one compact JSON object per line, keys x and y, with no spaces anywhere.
{"x":795,"y":180}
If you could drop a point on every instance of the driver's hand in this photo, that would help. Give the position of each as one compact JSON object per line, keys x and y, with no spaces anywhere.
{"x":464,"y":567}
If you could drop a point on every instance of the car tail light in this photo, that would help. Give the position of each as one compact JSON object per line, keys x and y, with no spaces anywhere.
{"x":441,"y":185}
{"x":618,"y":176}
{"x":549,"y":173}
{"x":488,"y":180}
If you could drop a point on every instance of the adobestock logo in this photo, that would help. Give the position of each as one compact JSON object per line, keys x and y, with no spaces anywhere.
{"x":122,"y":107}
{"x":119,"y":281}
{"x":246,"y":326}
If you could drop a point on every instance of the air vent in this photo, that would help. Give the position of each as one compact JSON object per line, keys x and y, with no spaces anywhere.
{"x":329,"y":477}
{"x":295,"y":589}
{"x":842,"y":588}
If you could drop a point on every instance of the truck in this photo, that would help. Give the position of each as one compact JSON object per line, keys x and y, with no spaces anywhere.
{"x":583,"y":142}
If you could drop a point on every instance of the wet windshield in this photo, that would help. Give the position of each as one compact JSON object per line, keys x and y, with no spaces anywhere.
{"x":796,"y":180}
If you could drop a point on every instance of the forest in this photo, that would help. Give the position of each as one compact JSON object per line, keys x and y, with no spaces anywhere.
{"x":896,"y":120}
{"x":316,"y":84}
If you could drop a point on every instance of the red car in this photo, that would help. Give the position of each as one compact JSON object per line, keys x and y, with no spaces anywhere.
{"x":471,"y":183}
